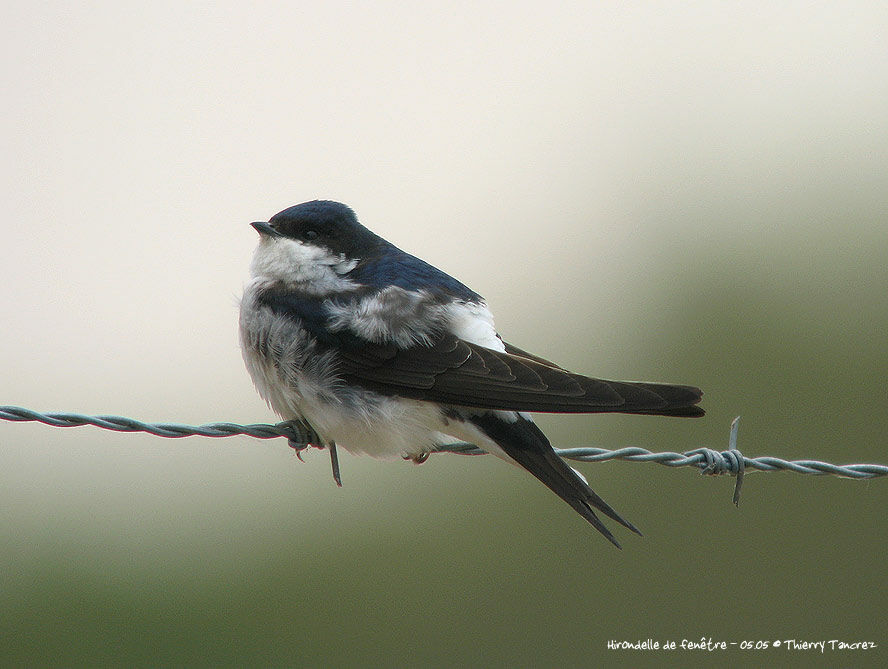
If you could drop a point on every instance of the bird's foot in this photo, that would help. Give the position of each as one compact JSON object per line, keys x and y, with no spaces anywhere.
{"x":300,"y":447}
{"x":301,"y":436}
{"x":418,"y":459}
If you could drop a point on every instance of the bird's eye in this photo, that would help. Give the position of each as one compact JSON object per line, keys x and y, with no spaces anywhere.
{"x":311,"y":234}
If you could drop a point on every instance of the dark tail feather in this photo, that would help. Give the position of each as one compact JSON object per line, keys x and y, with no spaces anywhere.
{"x":525,"y":443}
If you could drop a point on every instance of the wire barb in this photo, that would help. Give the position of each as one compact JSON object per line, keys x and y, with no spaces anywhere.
{"x":300,"y":436}
{"x":730,"y":461}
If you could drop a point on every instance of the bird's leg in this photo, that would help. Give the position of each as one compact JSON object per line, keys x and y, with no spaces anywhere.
{"x":418,"y":459}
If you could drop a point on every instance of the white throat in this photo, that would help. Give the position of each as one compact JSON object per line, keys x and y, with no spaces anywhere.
{"x":311,"y":268}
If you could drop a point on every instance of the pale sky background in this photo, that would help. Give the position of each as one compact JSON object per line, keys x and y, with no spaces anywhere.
{"x":625,"y":183}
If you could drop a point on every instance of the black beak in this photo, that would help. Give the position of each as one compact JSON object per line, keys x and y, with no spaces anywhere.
{"x":265,"y":229}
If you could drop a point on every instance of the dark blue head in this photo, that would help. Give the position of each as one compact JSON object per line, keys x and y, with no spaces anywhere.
{"x":328,"y":224}
{"x":334,"y":227}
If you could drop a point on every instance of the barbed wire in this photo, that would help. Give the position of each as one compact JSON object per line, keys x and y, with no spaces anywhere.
{"x":300,"y":436}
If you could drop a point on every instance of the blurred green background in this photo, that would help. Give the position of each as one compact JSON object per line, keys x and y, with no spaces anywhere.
{"x":683,"y":192}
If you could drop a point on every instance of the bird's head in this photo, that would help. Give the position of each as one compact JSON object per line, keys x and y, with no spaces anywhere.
{"x":313,"y":245}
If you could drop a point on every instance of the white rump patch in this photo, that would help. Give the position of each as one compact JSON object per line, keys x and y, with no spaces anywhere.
{"x":473,"y":322}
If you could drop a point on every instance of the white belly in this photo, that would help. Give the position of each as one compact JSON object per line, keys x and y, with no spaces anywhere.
{"x":392,"y":428}
{"x":361,"y":422}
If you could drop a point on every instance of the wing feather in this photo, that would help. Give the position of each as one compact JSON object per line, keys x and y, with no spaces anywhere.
{"x":452,"y":370}
{"x":455,"y":371}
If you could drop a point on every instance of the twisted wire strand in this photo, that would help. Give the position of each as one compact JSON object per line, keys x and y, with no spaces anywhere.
{"x":708,"y":461}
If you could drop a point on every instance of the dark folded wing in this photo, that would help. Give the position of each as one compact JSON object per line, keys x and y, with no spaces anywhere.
{"x":454,"y":371}
{"x":514,"y":350}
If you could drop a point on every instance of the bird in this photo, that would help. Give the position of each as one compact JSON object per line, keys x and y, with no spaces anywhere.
{"x":386,"y":355}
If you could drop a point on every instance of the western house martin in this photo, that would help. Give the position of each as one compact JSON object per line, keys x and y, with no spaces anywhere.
{"x":385,"y":355}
